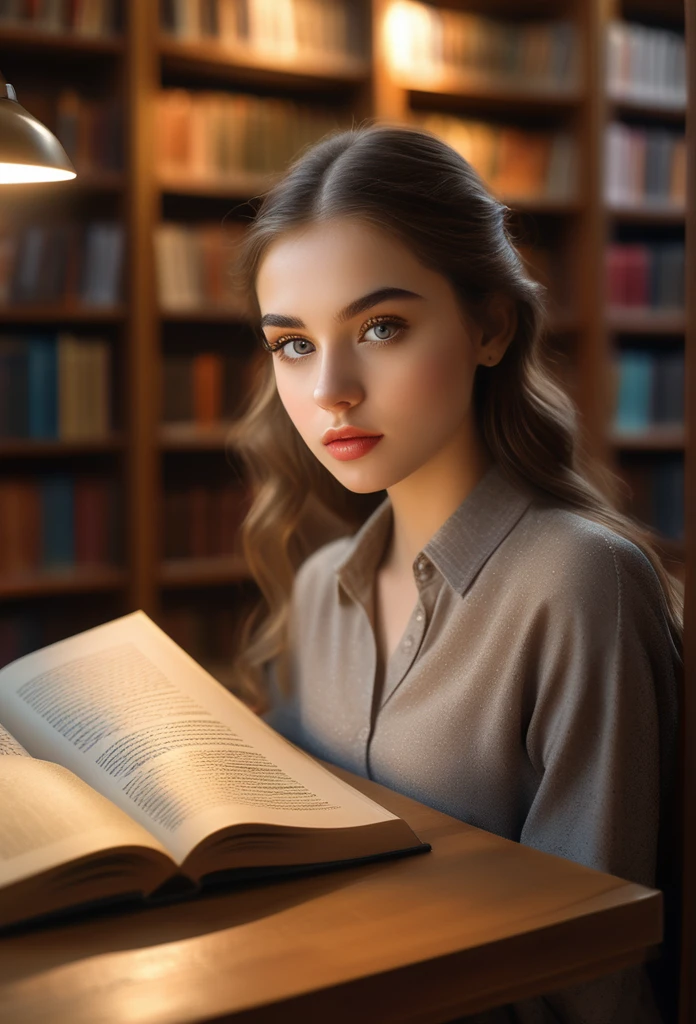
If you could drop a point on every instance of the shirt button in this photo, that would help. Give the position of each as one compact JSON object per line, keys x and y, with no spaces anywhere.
{"x":422,"y":568}
{"x":408,"y":642}
{"x":419,"y":616}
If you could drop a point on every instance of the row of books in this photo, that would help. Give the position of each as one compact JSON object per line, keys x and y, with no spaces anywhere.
{"x":59,"y":520}
{"x":90,"y":131}
{"x":425,"y":41}
{"x":203,"y":388}
{"x":55,"y":386}
{"x":650,"y":389}
{"x":83,"y":17}
{"x":646,"y":275}
{"x":195,"y":266}
{"x":658,"y":494}
{"x":208,"y":634}
{"x":202,"y":520}
{"x":514,"y":162}
{"x":645,"y":63}
{"x":291,"y":28}
{"x":644,"y":165}
{"x":65,"y":262}
{"x":208,"y":136}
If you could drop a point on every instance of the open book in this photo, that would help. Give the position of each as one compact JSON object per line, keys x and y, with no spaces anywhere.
{"x":125,"y":768}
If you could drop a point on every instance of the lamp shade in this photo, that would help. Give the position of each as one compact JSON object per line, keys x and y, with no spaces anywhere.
{"x":28,"y":151}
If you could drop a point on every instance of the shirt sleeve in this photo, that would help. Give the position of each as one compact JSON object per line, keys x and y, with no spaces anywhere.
{"x":603,"y":740}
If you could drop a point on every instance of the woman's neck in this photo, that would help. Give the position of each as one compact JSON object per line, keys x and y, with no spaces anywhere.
{"x":424,"y":501}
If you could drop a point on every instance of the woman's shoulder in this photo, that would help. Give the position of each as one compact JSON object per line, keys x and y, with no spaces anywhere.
{"x":563,"y":545}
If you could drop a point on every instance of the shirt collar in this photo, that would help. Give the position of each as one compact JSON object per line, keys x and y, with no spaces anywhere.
{"x":460,"y":547}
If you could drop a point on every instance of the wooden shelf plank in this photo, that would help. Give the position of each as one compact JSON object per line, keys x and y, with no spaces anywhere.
{"x":13,"y":447}
{"x":192,"y":436}
{"x":216,"y":570}
{"x":215,"y":59}
{"x":644,"y":213}
{"x":211,"y":314}
{"x":455,"y":85}
{"x":68,"y":580}
{"x":61,"y":313}
{"x":27,"y":38}
{"x":646,"y":321}
{"x":659,"y":437}
{"x":644,"y":106}
{"x":239,"y":185}
{"x":543,"y":204}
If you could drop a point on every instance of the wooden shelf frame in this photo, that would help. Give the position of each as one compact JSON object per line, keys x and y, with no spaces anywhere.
{"x":147,"y":57}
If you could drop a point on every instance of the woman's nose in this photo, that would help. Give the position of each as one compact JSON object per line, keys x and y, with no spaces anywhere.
{"x":338,"y":384}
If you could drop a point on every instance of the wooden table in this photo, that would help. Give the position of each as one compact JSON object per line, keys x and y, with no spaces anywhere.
{"x":478,"y":922}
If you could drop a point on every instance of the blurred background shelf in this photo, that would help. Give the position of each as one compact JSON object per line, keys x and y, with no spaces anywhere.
{"x":144,"y":97}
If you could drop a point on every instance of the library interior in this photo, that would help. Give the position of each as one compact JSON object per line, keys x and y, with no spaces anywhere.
{"x":128,"y":349}
{"x":125,"y":351}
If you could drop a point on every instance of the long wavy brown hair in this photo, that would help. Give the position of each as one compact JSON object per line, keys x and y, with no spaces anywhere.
{"x":410,"y":183}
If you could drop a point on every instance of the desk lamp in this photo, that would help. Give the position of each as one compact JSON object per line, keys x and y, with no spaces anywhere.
{"x":28,"y":151}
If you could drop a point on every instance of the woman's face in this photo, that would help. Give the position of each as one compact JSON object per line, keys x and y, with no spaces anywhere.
{"x":400,"y":365}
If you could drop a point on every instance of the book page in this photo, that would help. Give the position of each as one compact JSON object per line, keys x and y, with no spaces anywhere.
{"x":131,"y":713}
{"x":50,"y":817}
{"x":10,"y":746}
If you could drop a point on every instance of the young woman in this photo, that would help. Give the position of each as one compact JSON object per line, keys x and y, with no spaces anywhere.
{"x":495,"y":639}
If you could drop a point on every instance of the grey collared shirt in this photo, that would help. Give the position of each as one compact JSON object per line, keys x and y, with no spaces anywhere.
{"x":533,"y":693}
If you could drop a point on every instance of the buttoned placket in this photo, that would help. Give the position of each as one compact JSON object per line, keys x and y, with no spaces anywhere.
{"x":402,"y":659}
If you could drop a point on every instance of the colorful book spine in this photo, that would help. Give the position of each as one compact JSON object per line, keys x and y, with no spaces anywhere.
{"x":58,"y":521}
{"x":645,"y":64}
{"x":55,"y":386}
{"x":202,"y":521}
{"x":645,"y":275}
{"x":650,"y":389}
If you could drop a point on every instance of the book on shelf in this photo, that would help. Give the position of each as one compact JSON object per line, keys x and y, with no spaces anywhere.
{"x":214,"y":137}
{"x":645,"y":64}
{"x":650,"y":389}
{"x":203,"y":520}
{"x":127,"y":771}
{"x":203,"y":389}
{"x":82,"y":17}
{"x":54,"y":386}
{"x":195,"y":265}
{"x":515,"y":163}
{"x":296,"y":28}
{"x":645,"y":275}
{"x":58,"y":521}
{"x":432,"y":42}
{"x":90,"y":131}
{"x":62,"y":263}
{"x":645,"y":166}
{"x":657,"y":494}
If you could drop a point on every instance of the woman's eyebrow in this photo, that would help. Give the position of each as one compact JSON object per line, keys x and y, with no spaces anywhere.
{"x":351,"y":310}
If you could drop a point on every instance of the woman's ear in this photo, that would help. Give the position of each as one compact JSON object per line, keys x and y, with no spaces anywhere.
{"x":500,"y":324}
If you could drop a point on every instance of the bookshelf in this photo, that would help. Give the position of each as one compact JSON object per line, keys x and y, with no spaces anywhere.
{"x":181,"y":357}
{"x":643,"y":223}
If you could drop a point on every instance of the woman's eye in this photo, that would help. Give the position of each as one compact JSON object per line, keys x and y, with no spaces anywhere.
{"x":295,"y":348}
{"x":382,"y":331}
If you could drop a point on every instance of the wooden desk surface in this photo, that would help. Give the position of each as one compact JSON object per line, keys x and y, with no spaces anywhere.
{"x":477,"y":922}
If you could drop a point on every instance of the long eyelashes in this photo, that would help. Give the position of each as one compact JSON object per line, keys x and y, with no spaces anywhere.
{"x":281,"y":343}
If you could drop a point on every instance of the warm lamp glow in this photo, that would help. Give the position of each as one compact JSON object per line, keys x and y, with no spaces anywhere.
{"x":28,"y":150}
{"x":16,"y":174}
{"x":407,"y":33}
